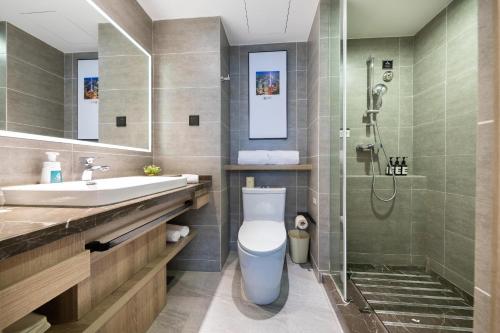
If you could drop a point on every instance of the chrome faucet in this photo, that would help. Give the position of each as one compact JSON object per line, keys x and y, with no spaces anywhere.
{"x":88,"y":162}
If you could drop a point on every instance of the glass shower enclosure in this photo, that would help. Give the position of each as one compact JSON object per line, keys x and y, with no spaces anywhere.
{"x":338,"y":161}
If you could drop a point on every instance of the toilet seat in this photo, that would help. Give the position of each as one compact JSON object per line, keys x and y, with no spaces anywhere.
{"x":262,"y":237}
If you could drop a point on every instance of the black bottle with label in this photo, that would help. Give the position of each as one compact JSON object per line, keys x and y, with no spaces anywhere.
{"x":397,"y":167}
{"x":389,"y":167}
{"x":404,"y":167}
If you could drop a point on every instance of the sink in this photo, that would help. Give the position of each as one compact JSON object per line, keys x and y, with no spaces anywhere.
{"x":80,"y":194}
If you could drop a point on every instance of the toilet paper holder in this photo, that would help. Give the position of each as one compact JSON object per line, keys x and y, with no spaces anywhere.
{"x":308,"y":217}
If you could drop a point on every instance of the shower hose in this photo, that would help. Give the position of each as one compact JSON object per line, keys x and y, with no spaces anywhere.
{"x":373,"y":169}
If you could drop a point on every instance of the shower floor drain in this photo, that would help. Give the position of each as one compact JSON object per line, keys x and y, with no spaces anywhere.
{"x":411,"y":300}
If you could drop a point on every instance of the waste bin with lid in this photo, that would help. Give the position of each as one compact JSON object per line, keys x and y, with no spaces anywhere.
{"x":299,"y":245}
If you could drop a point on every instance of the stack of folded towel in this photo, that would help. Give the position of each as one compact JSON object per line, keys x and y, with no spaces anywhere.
{"x":175,"y":232}
{"x":268,"y":157}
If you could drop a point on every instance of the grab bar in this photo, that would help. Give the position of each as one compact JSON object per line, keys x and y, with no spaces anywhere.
{"x":98,"y":246}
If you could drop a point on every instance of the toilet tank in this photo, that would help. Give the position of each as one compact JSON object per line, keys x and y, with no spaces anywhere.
{"x":264,"y":204}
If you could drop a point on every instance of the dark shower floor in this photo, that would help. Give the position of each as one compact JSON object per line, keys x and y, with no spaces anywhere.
{"x":407,"y":299}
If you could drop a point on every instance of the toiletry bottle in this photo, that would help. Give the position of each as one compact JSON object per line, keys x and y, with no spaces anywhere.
{"x":404,"y":167}
{"x":397,"y":167}
{"x":388,"y":169}
{"x":51,"y":171}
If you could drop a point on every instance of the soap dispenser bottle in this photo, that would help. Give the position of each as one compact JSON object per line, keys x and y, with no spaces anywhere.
{"x":397,"y":167}
{"x":51,"y":171}
{"x":404,"y":167}
{"x":388,"y":169}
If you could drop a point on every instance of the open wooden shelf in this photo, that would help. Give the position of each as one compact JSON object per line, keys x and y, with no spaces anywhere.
{"x":268,"y":167}
{"x":174,"y":248}
{"x":105,"y":310}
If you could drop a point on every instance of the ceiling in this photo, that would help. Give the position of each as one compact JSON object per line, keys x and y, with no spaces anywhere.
{"x":269,"y":21}
{"x":69,"y":26}
{"x":377,"y":18}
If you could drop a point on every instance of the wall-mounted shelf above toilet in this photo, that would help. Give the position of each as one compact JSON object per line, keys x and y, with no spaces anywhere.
{"x":268,"y":167}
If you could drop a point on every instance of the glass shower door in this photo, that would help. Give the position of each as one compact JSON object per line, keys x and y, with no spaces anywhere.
{"x":338,"y":238}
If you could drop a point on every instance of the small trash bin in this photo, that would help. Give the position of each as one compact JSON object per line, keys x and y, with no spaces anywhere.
{"x":299,"y":245}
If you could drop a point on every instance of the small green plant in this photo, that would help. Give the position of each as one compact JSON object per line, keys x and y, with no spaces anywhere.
{"x":152,"y":170}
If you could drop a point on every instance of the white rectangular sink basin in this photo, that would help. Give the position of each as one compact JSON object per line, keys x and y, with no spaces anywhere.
{"x":79,"y":194}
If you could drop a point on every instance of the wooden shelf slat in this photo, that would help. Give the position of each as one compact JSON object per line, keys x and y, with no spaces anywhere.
{"x":268,"y":167}
{"x":103,"y":312}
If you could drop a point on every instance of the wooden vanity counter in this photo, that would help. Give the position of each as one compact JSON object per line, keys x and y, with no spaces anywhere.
{"x":50,"y":263}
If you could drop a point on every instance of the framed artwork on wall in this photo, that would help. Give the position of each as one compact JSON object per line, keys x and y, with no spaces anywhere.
{"x":88,"y":99}
{"x":267,"y":95}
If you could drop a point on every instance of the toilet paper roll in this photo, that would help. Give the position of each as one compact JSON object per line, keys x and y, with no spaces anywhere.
{"x":301,"y":222}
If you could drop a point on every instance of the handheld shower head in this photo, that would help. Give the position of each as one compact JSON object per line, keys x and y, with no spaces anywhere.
{"x":378,"y":91}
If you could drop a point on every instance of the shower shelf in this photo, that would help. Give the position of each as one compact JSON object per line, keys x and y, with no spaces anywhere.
{"x":268,"y":167}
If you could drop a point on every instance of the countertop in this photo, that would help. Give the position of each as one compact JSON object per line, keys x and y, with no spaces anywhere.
{"x":23,"y":228}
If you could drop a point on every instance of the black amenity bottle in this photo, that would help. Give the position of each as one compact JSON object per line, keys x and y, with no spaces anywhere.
{"x":390,"y":167}
{"x":397,"y":167}
{"x":404,"y":167}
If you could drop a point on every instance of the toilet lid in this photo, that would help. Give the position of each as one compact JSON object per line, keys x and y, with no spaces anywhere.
{"x":262,"y":236}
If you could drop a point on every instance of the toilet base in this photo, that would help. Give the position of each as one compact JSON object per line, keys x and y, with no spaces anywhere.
{"x":261,"y":275}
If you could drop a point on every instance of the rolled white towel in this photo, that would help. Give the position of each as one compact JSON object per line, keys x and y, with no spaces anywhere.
{"x":191,"y":178}
{"x":253,"y":157}
{"x":173,"y":236}
{"x":284,"y":157}
{"x":182,"y":229}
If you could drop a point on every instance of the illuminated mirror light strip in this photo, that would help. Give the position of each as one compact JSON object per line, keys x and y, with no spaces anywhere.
{"x":98,"y":144}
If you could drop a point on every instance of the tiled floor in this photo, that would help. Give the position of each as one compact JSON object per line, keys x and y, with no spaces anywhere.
{"x":212,"y":303}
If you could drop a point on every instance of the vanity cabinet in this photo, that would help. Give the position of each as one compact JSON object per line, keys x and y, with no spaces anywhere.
{"x":110,"y":276}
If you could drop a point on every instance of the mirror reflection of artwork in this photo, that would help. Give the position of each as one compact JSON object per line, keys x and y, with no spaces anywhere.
{"x":91,"y":88}
{"x":267,"y":83}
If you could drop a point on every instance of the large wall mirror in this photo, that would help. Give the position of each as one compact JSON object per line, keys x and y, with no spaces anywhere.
{"x":68,"y":72}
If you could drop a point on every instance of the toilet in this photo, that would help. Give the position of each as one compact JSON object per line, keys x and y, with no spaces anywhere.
{"x":262,"y":243}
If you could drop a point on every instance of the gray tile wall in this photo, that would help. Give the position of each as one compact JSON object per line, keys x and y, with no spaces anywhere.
{"x":318,"y":128}
{"x":225,"y":58}
{"x":35,"y":85}
{"x":295,"y":182}
{"x":486,"y":156}
{"x":389,"y":233}
{"x":395,"y":119}
{"x":29,"y":154}
{"x":378,"y":232}
{"x":445,"y":107}
{"x":189,"y":56}
{"x":130,"y":16}
{"x":123,"y":89}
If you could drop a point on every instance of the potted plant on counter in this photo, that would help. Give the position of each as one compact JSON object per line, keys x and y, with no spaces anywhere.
{"x":152,"y":170}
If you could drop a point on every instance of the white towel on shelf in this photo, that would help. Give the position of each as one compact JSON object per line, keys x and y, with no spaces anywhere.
{"x":182,"y":229}
{"x":191,"y":178}
{"x":173,"y":236}
{"x":253,"y":157}
{"x":284,"y":157}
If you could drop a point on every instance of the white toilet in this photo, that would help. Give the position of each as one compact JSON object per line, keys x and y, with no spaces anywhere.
{"x":262,"y":243}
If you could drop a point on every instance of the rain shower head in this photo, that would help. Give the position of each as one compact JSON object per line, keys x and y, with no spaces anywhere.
{"x":378,"y":91}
